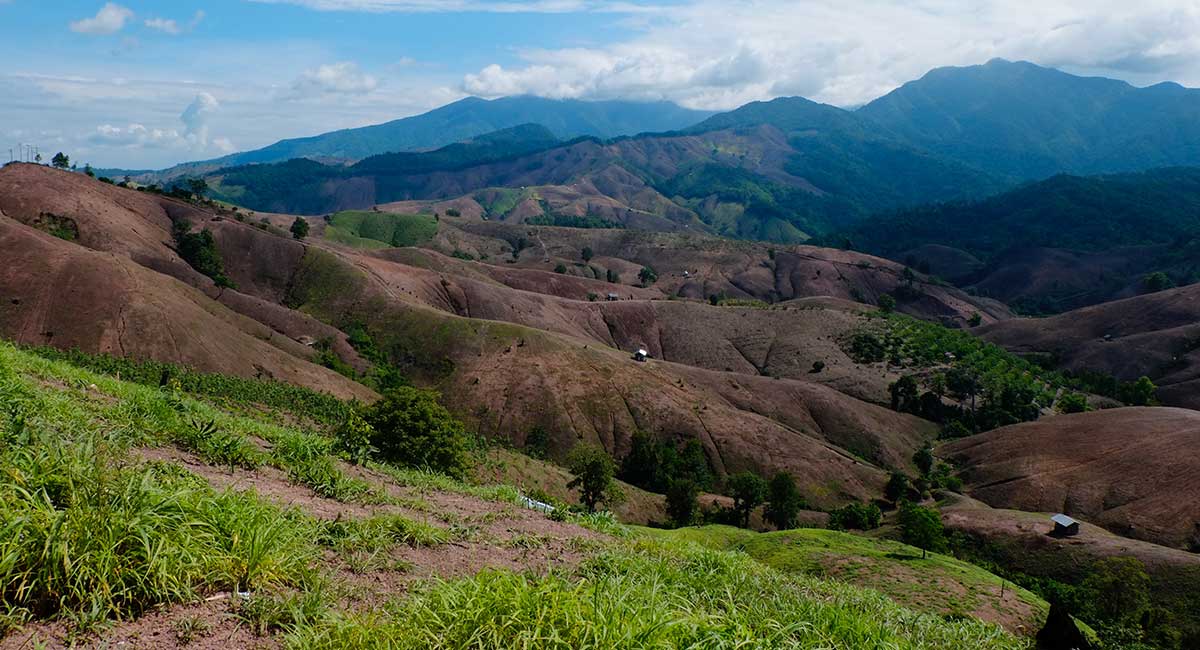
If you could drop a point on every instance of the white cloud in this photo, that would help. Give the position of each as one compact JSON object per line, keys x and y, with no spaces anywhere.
{"x":109,"y":20}
{"x":721,"y":54}
{"x":342,"y":78}
{"x":171,"y":26}
{"x":195,"y":118}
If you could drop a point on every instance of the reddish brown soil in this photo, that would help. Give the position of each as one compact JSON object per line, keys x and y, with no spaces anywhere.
{"x":1133,"y":471}
{"x":1153,"y":335}
{"x":58,"y":293}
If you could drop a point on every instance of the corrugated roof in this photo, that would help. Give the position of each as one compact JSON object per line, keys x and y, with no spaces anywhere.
{"x":1063,"y":520}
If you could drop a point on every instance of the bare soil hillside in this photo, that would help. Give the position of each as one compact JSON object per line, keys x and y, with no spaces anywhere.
{"x":1132,"y":470}
{"x":1154,"y":335}
{"x":54,"y":292}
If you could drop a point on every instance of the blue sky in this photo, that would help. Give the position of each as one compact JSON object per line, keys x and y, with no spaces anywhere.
{"x":147,"y":84}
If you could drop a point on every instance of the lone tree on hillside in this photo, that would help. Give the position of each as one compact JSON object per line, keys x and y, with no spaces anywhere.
{"x":748,"y":490}
{"x":411,"y":428}
{"x":593,"y":469}
{"x":586,"y":254}
{"x":197,"y":186}
{"x":647,"y":276}
{"x":61,"y":161}
{"x":300,"y":228}
{"x":921,"y":527}
{"x":923,"y":459}
{"x":783,"y":501}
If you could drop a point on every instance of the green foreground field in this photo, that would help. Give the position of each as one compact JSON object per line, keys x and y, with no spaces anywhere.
{"x":118,"y":502}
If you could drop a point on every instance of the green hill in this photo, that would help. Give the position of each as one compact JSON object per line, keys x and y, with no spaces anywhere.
{"x":938,"y":584}
{"x":127,"y":502}
{"x":366,"y":229}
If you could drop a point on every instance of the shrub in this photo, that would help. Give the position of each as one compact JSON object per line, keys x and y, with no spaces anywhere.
{"x":199,"y":250}
{"x":299,"y":228}
{"x":897,"y":487}
{"x":411,"y":428}
{"x":647,"y":276}
{"x":1072,"y":403}
{"x":560,"y":268}
{"x":887,"y":304}
{"x":856,"y":516}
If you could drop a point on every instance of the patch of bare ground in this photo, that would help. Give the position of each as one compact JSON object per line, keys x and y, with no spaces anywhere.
{"x":482,"y":535}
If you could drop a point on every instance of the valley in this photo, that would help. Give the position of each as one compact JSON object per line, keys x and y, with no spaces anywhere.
{"x":526,"y":372}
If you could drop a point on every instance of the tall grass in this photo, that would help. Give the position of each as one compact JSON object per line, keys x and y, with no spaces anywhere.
{"x":650,"y":596}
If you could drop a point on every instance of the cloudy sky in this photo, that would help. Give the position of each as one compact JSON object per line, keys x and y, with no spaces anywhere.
{"x":150,"y":83}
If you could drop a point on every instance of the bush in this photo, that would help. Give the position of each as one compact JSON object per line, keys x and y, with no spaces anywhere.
{"x":1072,"y":403}
{"x":412,"y":429}
{"x":897,"y":487}
{"x":199,"y":250}
{"x":300,"y":228}
{"x":887,"y":304}
{"x":856,"y":516}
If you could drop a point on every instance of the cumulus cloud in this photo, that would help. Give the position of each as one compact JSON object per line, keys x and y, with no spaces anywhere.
{"x":109,"y":20}
{"x":342,"y":78}
{"x":193,"y":137}
{"x":718,"y":55}
{"x":171,"y":26}
{"x":195,"y":118}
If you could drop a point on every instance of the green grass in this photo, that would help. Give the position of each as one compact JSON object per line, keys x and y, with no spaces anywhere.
{"x":649,"y":595}
{"x":937,"y":584}
{"x":367,"y":229}
{"x":90,"y":532}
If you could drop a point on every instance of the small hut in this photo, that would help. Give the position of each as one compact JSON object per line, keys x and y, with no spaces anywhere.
{"x":612,"y":297}
{"x":641,"y":355}
{"x":1064,"y":526}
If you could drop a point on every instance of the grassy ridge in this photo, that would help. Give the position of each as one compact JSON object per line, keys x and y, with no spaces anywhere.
{"x":366,"y":229}
{"x":938,"y":584}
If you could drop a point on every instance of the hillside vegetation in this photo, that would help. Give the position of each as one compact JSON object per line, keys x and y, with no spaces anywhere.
{"x":167,"y":511}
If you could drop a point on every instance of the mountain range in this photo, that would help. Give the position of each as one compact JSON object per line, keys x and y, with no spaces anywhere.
{"x":787,"y":169}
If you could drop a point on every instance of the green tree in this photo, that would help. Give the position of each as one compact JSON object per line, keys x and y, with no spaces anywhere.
{"x":61,"y":161}
{"x":1072,"y":403}
{"x":644,"y":462}
{"x":1140,"y":392}
{"x":683,"y":502}
{"x":87,"y":170}
{"x":411,"y":428}
{"x":783,"y":501}
{"x":887,"y":304}
{"x":975,"y":319}
{"x":921,"y":527}
{"x":647,"y":276}
{"x":857,"y":516}
{"x":593,"y":469}
{"x":748,"y":490}
{"x":200,"y":251}
{"x":897,"y":487}
{"x":561,"y":268}
{"x":586,"y":254}
{"x":300,"y":228}
{"x":1157,"y":281}
{"x":612,"y":276}
{"x":905,"y":394}
{"x":197,"y":186}
{"x":1120,"y":588}
{"x":923,"y":459}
